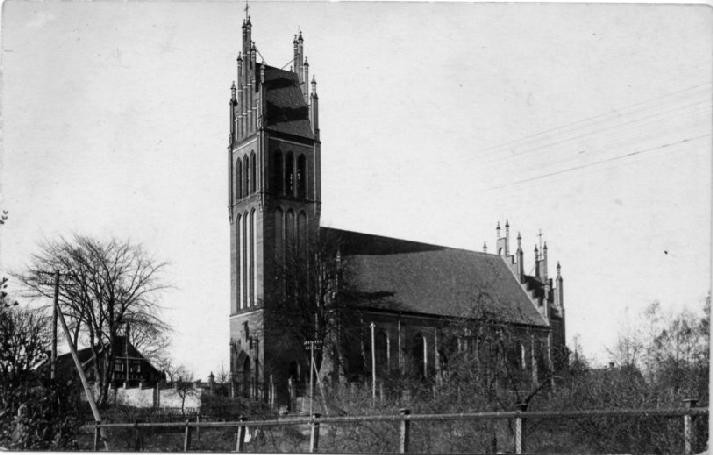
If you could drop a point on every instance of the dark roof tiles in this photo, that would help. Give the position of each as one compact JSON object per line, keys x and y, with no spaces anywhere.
{"x":398,"y":275}
{"x":286,"y":110}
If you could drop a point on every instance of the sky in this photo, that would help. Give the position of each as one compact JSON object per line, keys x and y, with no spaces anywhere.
{"x":589,"y":122}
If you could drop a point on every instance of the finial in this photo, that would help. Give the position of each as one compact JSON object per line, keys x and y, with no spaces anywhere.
{"x":247,"y":11}
{"x":485,"y":247}
{"x":305,"y":63}
{"x":252,"y":46}
{"x":498,"y":227}
{"x":544,"y":247}
{"x":540,"y":236}
{"x":507,"y":224}
{"x":519,"y":237}
{"x":240,"y":57}
{"x":300,"y":37}
{"x":559,"y":268}
{"x":536,"y":250}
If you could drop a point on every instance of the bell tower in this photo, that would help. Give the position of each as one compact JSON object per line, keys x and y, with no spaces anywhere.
{"x":274,"y":209}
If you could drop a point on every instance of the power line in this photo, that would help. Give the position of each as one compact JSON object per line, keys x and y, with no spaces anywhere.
{"x":577,"y":156}
{"x":620,"y":112}
{"x":608,"y":128}
{"x":595,"y":163}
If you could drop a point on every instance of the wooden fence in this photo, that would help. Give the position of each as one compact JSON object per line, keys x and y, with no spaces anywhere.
{"x":404,"y":418}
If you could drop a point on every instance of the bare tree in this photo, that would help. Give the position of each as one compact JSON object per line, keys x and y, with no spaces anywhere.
{"x":104,"y":286}
{"x":182,"y":380}
{"x":24,"y":343}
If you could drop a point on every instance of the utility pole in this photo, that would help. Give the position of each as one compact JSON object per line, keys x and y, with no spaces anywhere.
{"x":312,"y":344}
{"x":373,"y":365}
{"x":55,"y":308}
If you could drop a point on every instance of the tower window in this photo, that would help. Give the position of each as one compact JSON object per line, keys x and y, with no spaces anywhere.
{"x":290,"y":174}
{"x":277,"y":172}
{"x":246,"y":180}
{"x":238,"y":180}
{"x":253,"y":173}
{"x":301,"y":177}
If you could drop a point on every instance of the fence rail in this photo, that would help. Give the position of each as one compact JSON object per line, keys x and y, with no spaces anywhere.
{"x":404,"y":418}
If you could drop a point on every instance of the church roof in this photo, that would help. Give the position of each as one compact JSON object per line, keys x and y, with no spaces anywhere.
{"x":285,"y":108}
{"x":392,"y":274}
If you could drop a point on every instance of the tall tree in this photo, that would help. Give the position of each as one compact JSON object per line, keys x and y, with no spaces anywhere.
{"x":105,"y":287}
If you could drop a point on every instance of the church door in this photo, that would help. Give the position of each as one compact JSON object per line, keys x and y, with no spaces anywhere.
{"x":246,"y":377}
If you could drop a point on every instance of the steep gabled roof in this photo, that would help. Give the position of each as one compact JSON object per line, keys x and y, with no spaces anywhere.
{"x":285,"y":108}
{"x":398,"y":275}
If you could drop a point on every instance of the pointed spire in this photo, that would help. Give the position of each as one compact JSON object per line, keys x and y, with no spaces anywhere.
{"x":485,"y":247}
{"x":559,"y":270}
{"x":519,"y":241}
{"x":232,"y":91}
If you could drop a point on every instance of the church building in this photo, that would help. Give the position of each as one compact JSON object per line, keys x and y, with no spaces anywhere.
{"x":419,"y":303}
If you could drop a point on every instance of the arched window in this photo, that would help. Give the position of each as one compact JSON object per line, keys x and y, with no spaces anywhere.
{"x":290,"y":230}
{"x":301,"y":177}
{"x":279,"y":235}
{"x":302,"y":232}
{"x":420,"y":355}
{"x":244,"y":260}
{"x":289,"y":174}
{"x":253,"y":172}
{"x":253,"y":275}
{"x":238,"y":179}
{"x":239,"y":265}
{"x":277,"y":173}
{"x":290,"y":269}
{"x":381,"y":349}
{"x":246,"y":180}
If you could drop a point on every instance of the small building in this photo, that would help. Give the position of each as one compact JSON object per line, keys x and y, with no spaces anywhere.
{"x":130,"y":366}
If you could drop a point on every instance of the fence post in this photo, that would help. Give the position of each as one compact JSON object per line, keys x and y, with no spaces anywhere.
{"x":688,"y":439}
{"x":97,"y":431}
{"x":240,"y":437}
{"x":520,"y":433}
{"x":404,"y":432}
{"x":198,"y":427}
{"x":137,"y":436}
{"x":314,"y":434}
{"x":187,"y":437}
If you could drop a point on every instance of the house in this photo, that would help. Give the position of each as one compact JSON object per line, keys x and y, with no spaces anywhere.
{"x":130,"y":366}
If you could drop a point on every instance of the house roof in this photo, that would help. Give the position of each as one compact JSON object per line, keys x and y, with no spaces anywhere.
{"x":285,"y":108}
{"x":85,"y":354}
{"x":398,"y":275}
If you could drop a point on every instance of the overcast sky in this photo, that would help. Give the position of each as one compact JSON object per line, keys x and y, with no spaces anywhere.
{"x":590,"y":122}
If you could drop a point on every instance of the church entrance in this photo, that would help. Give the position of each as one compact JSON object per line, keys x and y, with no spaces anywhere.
{"x":246,"y":377}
